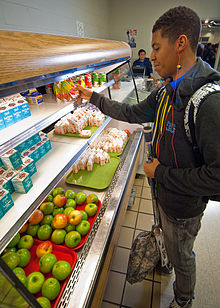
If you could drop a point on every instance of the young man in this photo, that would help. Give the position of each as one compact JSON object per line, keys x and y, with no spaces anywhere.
{"x":182,"y":183}
{"x":144,"y":63}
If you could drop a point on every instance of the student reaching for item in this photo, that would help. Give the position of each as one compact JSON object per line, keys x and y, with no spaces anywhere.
{"x":182,"y":183}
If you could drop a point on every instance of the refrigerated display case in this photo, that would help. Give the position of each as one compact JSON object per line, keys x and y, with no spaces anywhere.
{"x":30,"y":60}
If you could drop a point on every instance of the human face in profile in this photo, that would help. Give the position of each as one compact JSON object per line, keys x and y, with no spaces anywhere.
{"x":164,"y":55}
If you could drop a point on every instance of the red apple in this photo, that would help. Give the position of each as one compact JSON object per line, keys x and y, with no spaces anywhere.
{"x":60,"y":221}
{"x":44,"y":248}
{"x":60,"y":200}
{"x":75,"y":217}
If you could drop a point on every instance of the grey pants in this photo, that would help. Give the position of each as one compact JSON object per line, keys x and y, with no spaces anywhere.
{"x":179,"y":236}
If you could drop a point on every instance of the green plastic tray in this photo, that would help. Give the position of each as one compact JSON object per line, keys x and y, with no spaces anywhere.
{"x":92,"y":128}
{"x":99,"y":178}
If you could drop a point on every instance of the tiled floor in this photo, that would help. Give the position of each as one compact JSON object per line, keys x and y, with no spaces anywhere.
{"x":156,"y":290}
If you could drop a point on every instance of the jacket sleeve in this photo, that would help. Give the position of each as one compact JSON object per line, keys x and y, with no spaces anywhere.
{"x":204,"y":180}
{"x":138,"y":113}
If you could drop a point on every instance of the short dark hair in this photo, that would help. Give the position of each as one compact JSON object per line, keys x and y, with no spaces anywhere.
{"x":177,"y":21}
{"x":141,"y":50}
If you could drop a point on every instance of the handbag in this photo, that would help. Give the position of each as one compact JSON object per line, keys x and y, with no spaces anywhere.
{"x":143,"y":258}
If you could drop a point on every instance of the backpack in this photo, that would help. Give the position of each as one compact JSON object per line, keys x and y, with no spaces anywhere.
{"x":191,"y":111}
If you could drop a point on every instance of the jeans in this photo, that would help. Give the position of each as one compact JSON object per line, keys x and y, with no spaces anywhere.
{"x":179,"y":236}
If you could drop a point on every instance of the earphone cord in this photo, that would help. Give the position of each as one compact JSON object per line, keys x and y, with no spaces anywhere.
{"x":173,"y":131}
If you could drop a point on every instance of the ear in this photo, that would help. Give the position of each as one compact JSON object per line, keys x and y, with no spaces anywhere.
{"x":181,"y":43}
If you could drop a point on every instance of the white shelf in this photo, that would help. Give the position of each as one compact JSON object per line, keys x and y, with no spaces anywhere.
{"x":47,"y":170}
{"x":42,"y":116}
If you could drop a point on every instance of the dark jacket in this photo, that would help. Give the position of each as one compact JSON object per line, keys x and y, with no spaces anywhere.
{"x":147,"y":66}
{"x":180,"y":190}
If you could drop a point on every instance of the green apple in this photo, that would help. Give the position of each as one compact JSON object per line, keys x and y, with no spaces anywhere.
{"x":83,"y":227}
{"x":34,"y":282}
{"x":70,"y":203}
{"x":12,"y":259}
{"x":80,"y":197}
{"x":92,"y":198}
{"x":61,"y":270}
{"x":70,"y":194}
{"x":70,"y":227}
{"x":68,"y":210}
{"x":50,"y":198}
{"x":22,"y":278}
{"x":26,"y":241}
{"x":44,"y":232}
{"x":72,"y":239}
{"x":19,"y":270}
{"x":47,"y":262}
{"x":44,"y":302}
{"x":58,"y":210}
{"x":51,"y":288}
{"x":25,"y":257}
{"x":32,"y":229}
{"x":84,"y":215}
{"x":91,"y":209}
{"x":58,"y":236}
{"x":58,"y":191}
{"x":8,"y":249}
{"x":14,"y":241}
{"x":47,"y":220}
{"x":47,"y":208}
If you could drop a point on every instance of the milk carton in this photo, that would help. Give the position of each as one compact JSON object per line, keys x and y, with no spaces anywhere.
{"x":16,"y":111}
{"x":36,"y":138}
{"x":2,"y":170}
{"x":21,"y":168}
{"x":41,"y":148}
{"x":30,"y":164}
{"x":9,"y":175}
{"x":7,"y":115}
{"x":5,"y":184}
{"x":35,"y":153}
{"x":22,"y":182}
{"x":47,"y":144}
{"x":2,"y":123}
{"x":6,"y":201}
{"x":11,"y":159}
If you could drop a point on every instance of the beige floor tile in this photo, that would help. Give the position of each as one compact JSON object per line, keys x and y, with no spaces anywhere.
{"x":146,"y":206}
{"x":138,"y":191}
{"x":146,"y":183}
{"x":120,"y":260}
{"x":114,"y":289}
{"x":145,"y":221}
{"x":130,"y":219}
{"x":108,"y":305}
{"x":135,"y":206}
{"x":126,"y":237}
{"x":139,"y":182}
{"x":146,"y":193}
{"x":138,"y":295}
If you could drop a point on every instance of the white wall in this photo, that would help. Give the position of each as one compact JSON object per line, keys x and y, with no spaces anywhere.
{"x":56,"y":16}
{"x":141,"y":15}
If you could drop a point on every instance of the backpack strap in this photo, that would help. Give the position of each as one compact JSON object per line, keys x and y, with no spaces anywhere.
{"x":193,"y":106}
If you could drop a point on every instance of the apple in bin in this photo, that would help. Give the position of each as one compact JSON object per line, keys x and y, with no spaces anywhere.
{"x":44,"y":302}
{"x":83,"y":227}
{"x":14,"y":241}
{"x":24,"y":228}
{"x":44,"y":232}
{"x":59,"y":200}
{"x":34,"y":282}
{"x":92,"y":198}
{"x":10,"y":249}
{"x":58,"y":236}
{"x":19,"y":270}
{"x":60,"y":221}
{"x":12,"y":259}
{"x":25,"y":257}
{"x":61,"y":270}
{"x":91,"y":209}
{"x":22,"y":278}
{"x":36,"y":217}
{"x":75,"y":217}
{"x":47,"y":220}
{"x":68,"y":210}
{"x":47,"y":208}
{"x":26,"y":241}
{"x":84,"y":215}
{"x":57,"y":210}
{"x":57,"y":191}
{"x":32,"y":229}
{"x":70,"y":194}
{"x":70,"y":203}
{"x":72,"y":239}
{"x":44,"y":248}
{"x":80,"y":197}
{"x":51,"y":288}
{"x":47,"y":262}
